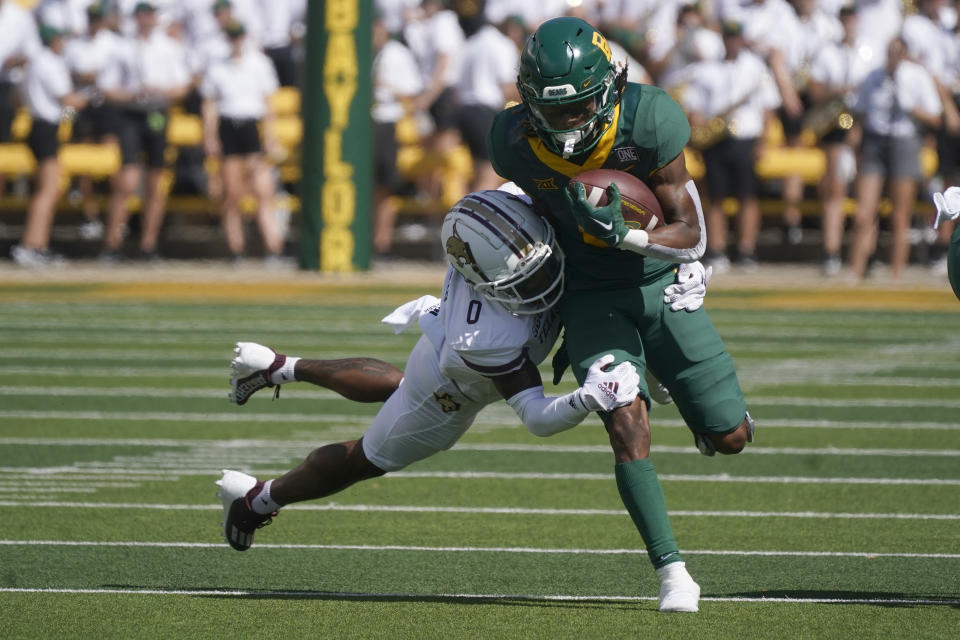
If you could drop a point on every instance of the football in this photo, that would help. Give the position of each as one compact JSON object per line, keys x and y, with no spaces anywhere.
{"x":640,"y":208}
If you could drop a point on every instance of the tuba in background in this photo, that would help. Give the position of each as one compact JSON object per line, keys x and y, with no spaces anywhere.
{"x":827,"y":116}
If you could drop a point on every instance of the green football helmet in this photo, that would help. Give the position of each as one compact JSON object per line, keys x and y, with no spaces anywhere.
{"x":569,"y":84}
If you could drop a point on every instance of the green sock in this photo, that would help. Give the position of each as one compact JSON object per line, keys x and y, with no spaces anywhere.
{"x":642,"y":495}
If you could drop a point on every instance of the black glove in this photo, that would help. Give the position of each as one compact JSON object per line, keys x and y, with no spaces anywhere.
{"x":560,"y":362}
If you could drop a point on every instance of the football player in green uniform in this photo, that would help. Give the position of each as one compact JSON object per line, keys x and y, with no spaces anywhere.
{"x":948,"y":208}
{"x":578,"y":113}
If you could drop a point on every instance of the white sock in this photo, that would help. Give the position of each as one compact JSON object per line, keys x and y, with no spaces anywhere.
{"x":262,"y":502}
{"x":673,"y":571}
{"x":285,"y":372}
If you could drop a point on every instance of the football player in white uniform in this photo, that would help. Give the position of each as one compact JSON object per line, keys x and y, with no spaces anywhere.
{"x":481,"y":342}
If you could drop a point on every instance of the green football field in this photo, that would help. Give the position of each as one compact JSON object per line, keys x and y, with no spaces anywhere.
{"x":842,"y":520}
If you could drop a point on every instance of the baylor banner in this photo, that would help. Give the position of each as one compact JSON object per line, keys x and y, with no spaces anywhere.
{"x":337,"y":149}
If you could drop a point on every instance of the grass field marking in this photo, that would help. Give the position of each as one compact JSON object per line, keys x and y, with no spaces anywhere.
{"x":333,"y":506}
{"x":323,"y":394}
{"x":677,"y":477}
{"x":153,"y":392}
{"x":503,"y":475}
{"x":468,"y":549}
{"x":454,"y":597}
{"x":313,"y":418}
{"x":279,"y":446}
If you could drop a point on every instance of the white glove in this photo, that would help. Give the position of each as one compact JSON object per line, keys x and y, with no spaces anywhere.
{"x":607,"y":390}
{"x":658,"y":393}
{"x":948,"y":205}
{"x":688,"y":291}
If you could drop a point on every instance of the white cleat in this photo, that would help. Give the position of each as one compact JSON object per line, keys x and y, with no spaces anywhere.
{"x":239,"y":521}
{"x":678,"y":591}
{"x":250,"y":371}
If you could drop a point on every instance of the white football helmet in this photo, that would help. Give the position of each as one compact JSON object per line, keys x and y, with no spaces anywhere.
{"x":505,"y":250}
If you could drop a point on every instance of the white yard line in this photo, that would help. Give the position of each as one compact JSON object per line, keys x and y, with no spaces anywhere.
{"x":217,"y":446}
{"x":175,"y":469}
{"x":489,"y":510}
{"x":309,"y":393}
{"x":312,"y":418}
{"x":468,"y":549}
{"x":455,"y":597}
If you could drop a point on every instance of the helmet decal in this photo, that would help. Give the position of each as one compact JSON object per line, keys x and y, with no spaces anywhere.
{"x":602,"y":44}
{"x":459,"y":253}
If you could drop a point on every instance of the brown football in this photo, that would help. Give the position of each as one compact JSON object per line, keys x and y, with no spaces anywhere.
{"x":640,"y":207}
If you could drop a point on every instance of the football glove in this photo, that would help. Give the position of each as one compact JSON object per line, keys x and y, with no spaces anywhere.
{"x":604,"y":223}
{"x":606,"y":390}
{"x":948,"y":205}
{"x":560,"y":362}
{"x":688,"y":291}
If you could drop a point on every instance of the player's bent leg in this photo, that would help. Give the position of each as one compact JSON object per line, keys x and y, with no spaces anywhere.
{"x":729,"y":443}
{"x":361,"y":379}
{"x":326,"y":470}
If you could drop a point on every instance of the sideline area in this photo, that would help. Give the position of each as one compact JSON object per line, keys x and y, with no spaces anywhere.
{"x":771,"y":286}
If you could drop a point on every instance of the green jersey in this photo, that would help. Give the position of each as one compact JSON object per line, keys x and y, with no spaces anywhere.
{"x":649,"y":130}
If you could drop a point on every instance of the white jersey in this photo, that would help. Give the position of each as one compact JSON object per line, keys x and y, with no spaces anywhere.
{"x":466,"y":338}
{"x":481,"y":339}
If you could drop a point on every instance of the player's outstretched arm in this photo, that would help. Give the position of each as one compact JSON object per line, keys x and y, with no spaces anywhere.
{"x":602,"y":390}
{"x":257,"y":367}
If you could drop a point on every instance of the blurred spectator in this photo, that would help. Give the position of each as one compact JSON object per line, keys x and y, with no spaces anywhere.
{"x":69,"y":16}
{"x":47,"y":90}
{"x":695,"y":42}
{"x":276,"y":37}
{"x":18,"y":44}
{"x":488,"y":81}
{"x":236,"y":95}
{"x":529,"y":14}
{"x":436,"y":40}
{"x":932,"y":45}
{"x":395,"y":13}
{"x":879,"y":23}
{"x":773,"y":31}
{"x":150,"y":73}
{"x":729,"y":102}
{"x":835,"y":77}
{"x":894,"y":102}
{"x":88,"y":56}
{"x":396,"y":83}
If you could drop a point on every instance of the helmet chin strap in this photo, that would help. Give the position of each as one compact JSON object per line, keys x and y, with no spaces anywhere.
{"x":568,"y":145}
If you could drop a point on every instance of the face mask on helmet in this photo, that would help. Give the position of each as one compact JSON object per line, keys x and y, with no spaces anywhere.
{"x":505,"y":250}
{"x":573,"y":126}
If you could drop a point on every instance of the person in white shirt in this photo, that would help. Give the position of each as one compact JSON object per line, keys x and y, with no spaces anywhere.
{"x":933,"y":45}
{"x":236,"y":103}
{"x":836,"y":73}
{"x":396,"y":84}
{"x":488,"y":81}
{"x":18,"y":43}
{"x":436,"y":40}
{"x":276,"y":37}
{"x":47,"y":89}
{"x":88,"y":56}
{"x":894,"y":102}
{"x":737,"y":95}
{"x":142,"y":82}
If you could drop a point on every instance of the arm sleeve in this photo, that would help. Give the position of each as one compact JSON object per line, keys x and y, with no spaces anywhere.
{"x":637,"y":240}
{"x":545,"y":416}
